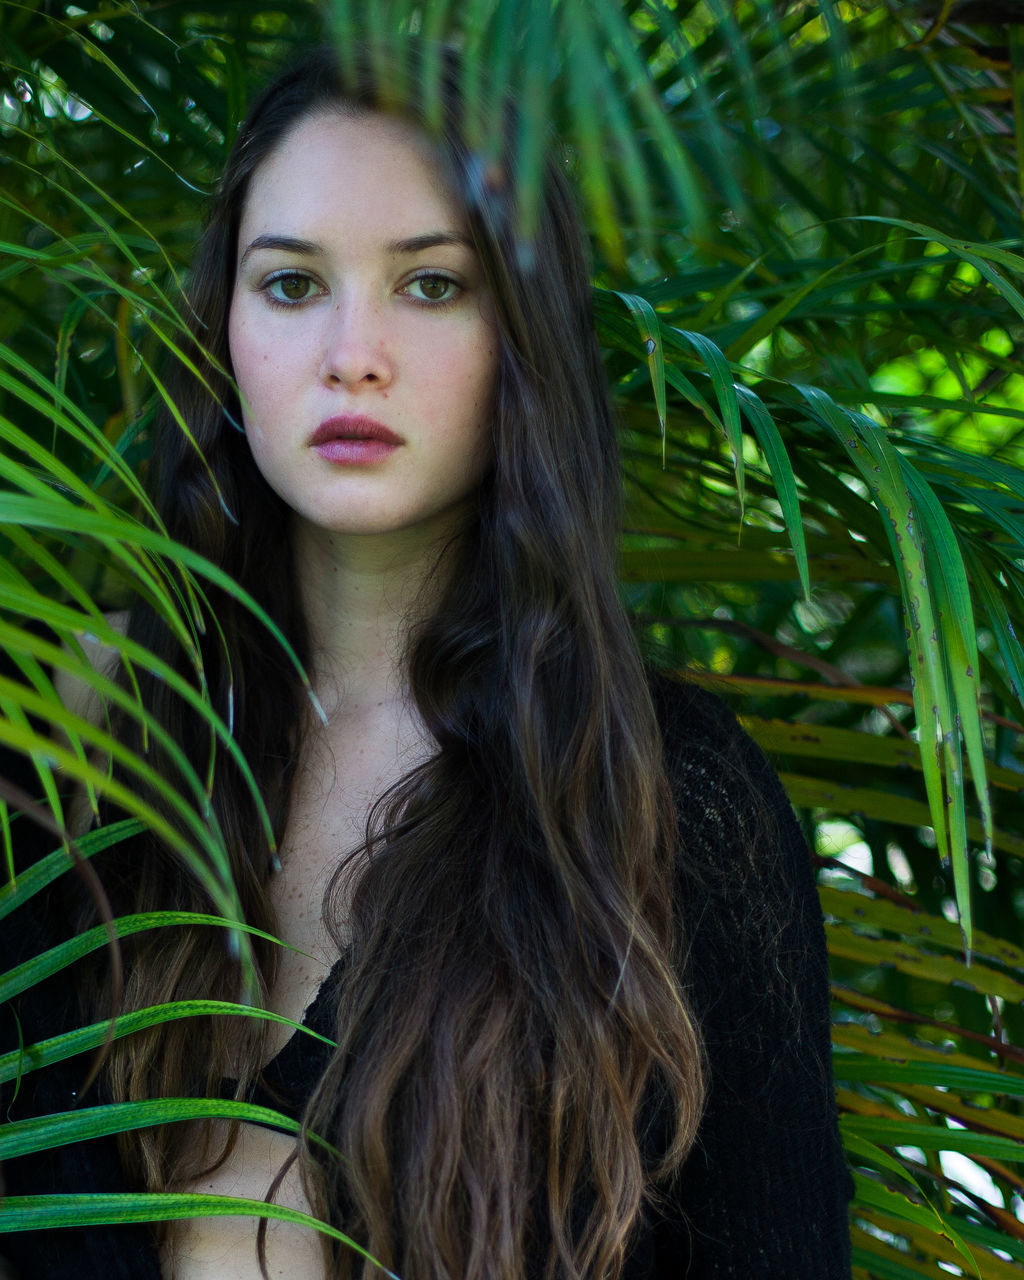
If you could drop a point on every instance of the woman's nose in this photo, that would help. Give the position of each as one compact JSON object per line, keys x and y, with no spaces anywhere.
{"x":356,"y":350}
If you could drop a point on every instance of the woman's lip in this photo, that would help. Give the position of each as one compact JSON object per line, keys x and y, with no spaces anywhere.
{"x":353,"y":429}
{"x":354,"y":450}
{"x":352,"y":440}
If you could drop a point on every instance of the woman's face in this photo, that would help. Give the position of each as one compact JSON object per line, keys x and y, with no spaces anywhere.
{"x":360,"y":334}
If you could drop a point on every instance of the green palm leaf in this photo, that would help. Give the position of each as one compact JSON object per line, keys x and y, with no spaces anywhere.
{"x":813,"y":213}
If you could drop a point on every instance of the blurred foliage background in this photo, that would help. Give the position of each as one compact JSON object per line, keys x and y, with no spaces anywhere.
{"x":807,"y":222}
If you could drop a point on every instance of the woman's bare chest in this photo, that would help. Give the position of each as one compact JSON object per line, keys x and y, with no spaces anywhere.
{"x":340,"y":780}
{"x":335,"y":791}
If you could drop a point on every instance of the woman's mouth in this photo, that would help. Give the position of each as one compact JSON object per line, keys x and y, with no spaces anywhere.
{"x":353,"y":440}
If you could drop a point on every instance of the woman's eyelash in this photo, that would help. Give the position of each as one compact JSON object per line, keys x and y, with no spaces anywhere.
{"x":453,"y":287}
{"x":426,"y":280}
{"x":281,"y":278}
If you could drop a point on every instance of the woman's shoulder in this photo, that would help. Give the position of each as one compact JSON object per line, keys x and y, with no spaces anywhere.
{"x":734,"y":815}
{"x":680,"y":700}
{"x":697,"y":724}
{"x":745,"y":886}
{"x":41,"y":920}
{"x":98,"y":654}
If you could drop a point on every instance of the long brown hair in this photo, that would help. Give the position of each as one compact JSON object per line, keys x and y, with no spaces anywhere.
{"x":508,"y":1010}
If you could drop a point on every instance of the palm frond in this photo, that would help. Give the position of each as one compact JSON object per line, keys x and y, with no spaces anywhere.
{"x":808,"y":225}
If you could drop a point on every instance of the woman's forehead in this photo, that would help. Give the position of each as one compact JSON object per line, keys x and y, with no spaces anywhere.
{"x":354,"y":164}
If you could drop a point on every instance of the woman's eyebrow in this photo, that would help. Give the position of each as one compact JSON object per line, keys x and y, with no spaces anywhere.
{"x":289,"y":244}
{"x":407,"y":245}
{"x":429,"y":240}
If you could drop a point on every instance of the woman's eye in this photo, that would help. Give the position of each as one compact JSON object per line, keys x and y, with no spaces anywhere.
{"x":289,"y":288}
{"x":433,"y":289}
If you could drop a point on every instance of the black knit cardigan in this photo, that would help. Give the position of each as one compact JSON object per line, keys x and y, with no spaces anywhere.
{"x":763,"y":1194}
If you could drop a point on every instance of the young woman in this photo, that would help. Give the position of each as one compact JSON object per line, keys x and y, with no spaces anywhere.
{"x":556,"y":915}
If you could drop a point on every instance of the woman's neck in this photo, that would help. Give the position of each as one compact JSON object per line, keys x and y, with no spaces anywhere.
{"x":360,"y":595}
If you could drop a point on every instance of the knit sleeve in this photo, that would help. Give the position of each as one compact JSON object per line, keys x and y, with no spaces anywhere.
{"x":764,"y":1192}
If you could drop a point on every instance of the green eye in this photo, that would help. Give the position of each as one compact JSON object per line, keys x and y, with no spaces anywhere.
{"x":289,"y":288}
{"x":434,"y":288}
